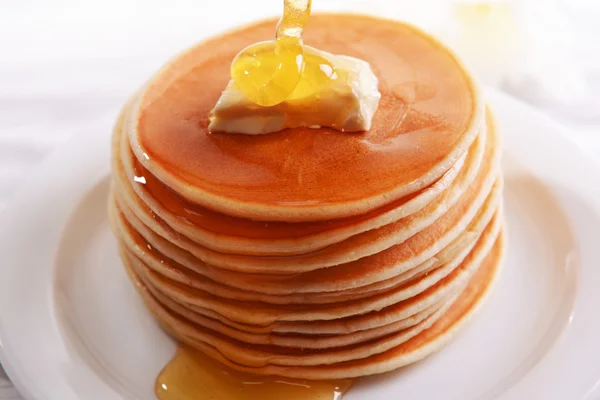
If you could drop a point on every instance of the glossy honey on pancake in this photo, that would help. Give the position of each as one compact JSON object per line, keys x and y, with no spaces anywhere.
{"x":352,"y":276}
{"x":417,"y":251}
{"x":159,"y":262}
{"x":230,"y":234}
{"x":352,"y":248}
{"x":347,"y":250}
{"x":407,"y":255}
{"x":429,"y":114}
{"x":360,"y":248}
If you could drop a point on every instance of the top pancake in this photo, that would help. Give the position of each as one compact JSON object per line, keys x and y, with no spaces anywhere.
{"x":428,"y":116}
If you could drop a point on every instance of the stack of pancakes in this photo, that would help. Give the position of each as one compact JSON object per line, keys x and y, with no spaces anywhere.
{"x":312,"y":253}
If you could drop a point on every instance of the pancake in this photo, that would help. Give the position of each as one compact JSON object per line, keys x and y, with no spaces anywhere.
{"x":264,"y":314}
{"x":312,"y":253}
{"x":359,"y":246}
{"x":258,"y":357}
{"x":378,"y":324}
{"x":351,"y":249}
{"x":402,"y":260}
{"x":403,"y":256}
{"x":227,"y":234}
{"x":413,"y":350}
{"x":178,"y":273}
{"x":429,"y":114}
{"x":305,"y":341}
{"x":349,"y":276}
{"x":172,"y":269}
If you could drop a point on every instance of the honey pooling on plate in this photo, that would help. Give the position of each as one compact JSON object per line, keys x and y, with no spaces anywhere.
{"x":271,"y":72}
{"x":194,"y":376}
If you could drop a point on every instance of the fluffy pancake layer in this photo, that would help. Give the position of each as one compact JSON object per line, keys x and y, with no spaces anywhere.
{"x":429,"y":114}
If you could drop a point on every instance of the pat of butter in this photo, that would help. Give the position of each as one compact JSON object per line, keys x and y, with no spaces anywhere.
{"x":345,"y":105}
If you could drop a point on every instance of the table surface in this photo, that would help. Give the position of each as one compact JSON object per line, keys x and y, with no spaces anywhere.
{"x":7,"y":391}
{"x":56,"y":85}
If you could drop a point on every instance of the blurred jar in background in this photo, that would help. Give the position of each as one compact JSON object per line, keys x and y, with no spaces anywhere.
{"x":544,"y":51}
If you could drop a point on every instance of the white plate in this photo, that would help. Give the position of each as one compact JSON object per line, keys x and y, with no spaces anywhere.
{"x":72,"y":327}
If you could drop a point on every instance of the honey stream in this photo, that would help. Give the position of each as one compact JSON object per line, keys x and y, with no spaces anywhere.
{"x":271,"y":72}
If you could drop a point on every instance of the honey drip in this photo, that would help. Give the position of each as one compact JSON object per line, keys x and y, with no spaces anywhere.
{"x":271,"y":72}
{"x":193,"y":376}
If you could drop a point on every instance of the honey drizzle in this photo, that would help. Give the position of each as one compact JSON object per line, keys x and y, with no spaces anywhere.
{"x":295,"y":17}
{"x":271,"y":72}
{"x":190,"y":375}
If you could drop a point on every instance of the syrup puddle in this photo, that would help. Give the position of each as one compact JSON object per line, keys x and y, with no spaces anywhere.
{"x":191,"y":375}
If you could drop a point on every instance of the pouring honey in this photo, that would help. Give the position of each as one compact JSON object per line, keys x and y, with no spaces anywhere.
{"x":271,"y":72}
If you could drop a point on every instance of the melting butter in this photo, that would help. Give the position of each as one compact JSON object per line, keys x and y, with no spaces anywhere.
{"x":283,"y":84}
{"x":193,"y":376}
{"x":347,"y":103}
